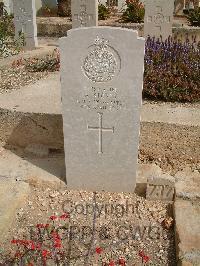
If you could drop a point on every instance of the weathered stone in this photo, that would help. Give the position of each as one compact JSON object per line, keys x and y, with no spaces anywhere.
{"x":7,"y":6}
{"x":158,"y":18}
{"x":25,"y":22}
{"x":38,"y":150}
{"x":160,"y":188}
{"x":121,"y":5}
{"x":187,"y":232}
{"x":188,"y":184}
{"x":101,"y":96}
{"x":84,"y":13}
{"x":144,"y":172}
{"x":13,"y":195}
{"x":103,"y":2}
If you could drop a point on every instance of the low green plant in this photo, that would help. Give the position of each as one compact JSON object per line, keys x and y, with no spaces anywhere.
{"x":46,"y":11}
{"x":172,"y":71}
{"x":194,"y":17}
{"x":134,"y":12}
{"x":6,"y":26}
{"x":8,"y":44}
{"x":48,"y":63}
{"x":104,"y":12}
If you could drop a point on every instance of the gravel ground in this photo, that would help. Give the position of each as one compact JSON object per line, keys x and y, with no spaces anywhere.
{"x":172,"y":147}
{"x":124,"y":224}
{"x":12,"y":78}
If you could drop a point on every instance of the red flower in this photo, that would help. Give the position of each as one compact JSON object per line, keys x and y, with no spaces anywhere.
{"x":122,"y":262}
{"x":146,"y":259}
{"x":53,"y":217}
{"x":14,"y":241}
{"x":30,"y":264}
{"x":64,"y":216}
{"x":56,"y":240}
{"x":111,"y":263}
{"x":141,"y":253}
{"x":42,"y":225}
{"x":18,"y":254}
{"x":45,"y":253}
{"x":28,"y":244}
{"x":57,"y":245}
{"x":99,"y":250}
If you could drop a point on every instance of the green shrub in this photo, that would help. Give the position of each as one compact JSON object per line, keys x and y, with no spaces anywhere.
{"x":104,"y":12}
{"x":49,"y":63}
{"x":134,"y":12}
{"x":194,"y":17}
{"x":46,"y":11}
{"x":8,"y":45}
{"x":172,"y":71}
{"x":64,"y":8}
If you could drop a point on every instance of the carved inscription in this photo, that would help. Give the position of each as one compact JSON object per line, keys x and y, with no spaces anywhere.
{"x":83,"y":17}
{"x":100,"y":130}
{"x":159,"y":192}
{"x":159,"y":18}
{"x":24,"y":16}
{"x":102,"y":63}
{"x":100,"y":99}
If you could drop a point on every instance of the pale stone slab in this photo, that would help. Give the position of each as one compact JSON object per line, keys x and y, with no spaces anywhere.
{"x":160,"y":188}
{"x":8,"y":5}
{"x":25,"y":21}
{"x":158,"y":18}
{"x":103,"y":2}
{"x":13,"y":196}
{"x":84,"y":13}
{"x":187,"y":227}
{"x":121,"y":5}
{"x":101,"y":81}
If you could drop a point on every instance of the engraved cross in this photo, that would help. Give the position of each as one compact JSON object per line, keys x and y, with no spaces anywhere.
{"x":101,"y":129}
{"x":83,"y":17}
{"x":24,"y":17}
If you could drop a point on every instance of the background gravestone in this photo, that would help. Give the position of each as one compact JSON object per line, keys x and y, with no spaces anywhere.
{"x":84,"y":13}
{"x":25,"y":21}
{"x":158,"y":18}
{"x":103,"y":2}
{"x":121,"y":5}
{"x":101,"y":79}
{"x":8,"y":6}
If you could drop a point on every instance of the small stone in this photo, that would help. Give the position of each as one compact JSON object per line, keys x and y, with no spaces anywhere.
{"x":30,"y":203}
{"x":168,"y":222}
{"x":54,"y":194}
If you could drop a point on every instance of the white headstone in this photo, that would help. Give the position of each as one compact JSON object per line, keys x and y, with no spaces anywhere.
{"x":158,"y":18}
{"x":103,"y":2}
{"x":101,"y":79}
{"x":25,"y":21}
{"x":8,"y":5}
{"x":121,"y":5}
{"x":84,"y":13}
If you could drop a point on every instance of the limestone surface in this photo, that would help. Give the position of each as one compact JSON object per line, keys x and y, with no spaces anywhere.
{"x":187,"y":216}
{"x":25,"y":22}
{"x":101,"y":103}
{"x":84,"y":13}
{"x":13,"y":195}
{"x":158,"y":18}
